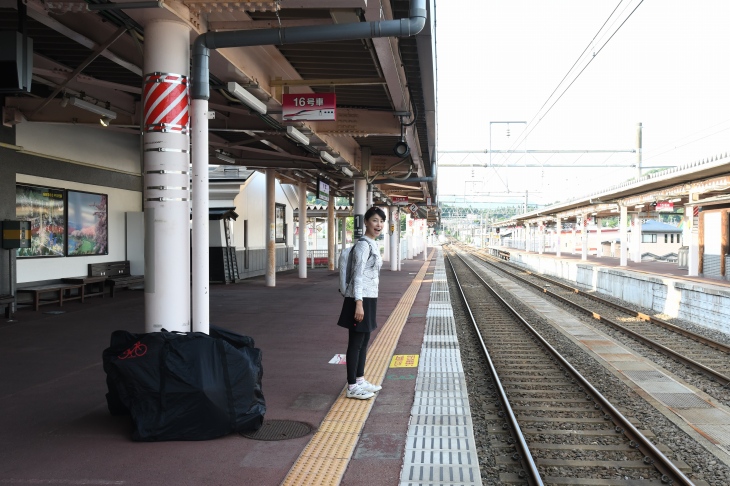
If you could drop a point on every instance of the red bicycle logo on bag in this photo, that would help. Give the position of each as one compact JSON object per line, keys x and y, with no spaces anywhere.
{"x":135,"y":351}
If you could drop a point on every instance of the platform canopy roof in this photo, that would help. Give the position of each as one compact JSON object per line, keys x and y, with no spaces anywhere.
{"x":385,"y":87}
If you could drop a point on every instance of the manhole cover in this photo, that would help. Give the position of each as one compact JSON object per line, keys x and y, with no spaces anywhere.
{"x":279,"y":430}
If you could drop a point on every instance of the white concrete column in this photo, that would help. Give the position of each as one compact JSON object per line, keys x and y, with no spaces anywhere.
{"x":394,"y":225}
{"x":572,"y":243}
{"x":599,"y":245}
{"x":271,"y":227}
{"x":166,"y":178}
{"x":527,"y":237}
{"x":386,"y":236}
{"x":302,"y":230}
{"x":584,"y":238}
{"x":409,"y":237}
{"x":623,"y":235}
{"x":359,"y":207}
{"x":344,"y":234}
{"x":636,"y":242}
{"x":425,"y":239}
{"x":331,"y":233}
{"x":400,"y":237}
{"x":558,"y":232}
{"x":540,"y":238}
{"x":693,"y":257}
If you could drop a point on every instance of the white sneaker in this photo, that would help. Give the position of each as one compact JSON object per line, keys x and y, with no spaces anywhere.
{"x":359,"y":392}
{"x":367,"y":386}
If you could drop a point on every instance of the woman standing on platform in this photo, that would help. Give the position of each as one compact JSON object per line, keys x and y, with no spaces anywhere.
{"x":360,"y":306}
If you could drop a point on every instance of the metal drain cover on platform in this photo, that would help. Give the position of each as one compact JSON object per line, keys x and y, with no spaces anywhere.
{"x":279,"y":430}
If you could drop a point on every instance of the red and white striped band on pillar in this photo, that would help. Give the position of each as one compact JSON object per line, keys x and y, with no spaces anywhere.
{"x":166,"y":103}
{"x":696,"y":211}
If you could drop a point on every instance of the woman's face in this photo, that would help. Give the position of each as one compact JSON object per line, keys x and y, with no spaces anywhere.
{"x":374,"y":226}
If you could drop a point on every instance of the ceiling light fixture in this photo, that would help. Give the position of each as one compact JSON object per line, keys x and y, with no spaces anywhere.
{"x":246,"y":98}
{"x":105,"y":121}
{"x":327,"y":157}
{"x":297,"y":136}
{"x":85,"y":105}
{"x":224,"y":157}
{"x":347,"y":171}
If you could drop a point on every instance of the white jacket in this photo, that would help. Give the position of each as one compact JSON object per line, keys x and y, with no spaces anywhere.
{"x":366,"y":263}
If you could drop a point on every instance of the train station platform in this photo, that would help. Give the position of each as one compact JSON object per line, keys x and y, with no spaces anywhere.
{"x":663,"y":287}
{"x":57,"y":429}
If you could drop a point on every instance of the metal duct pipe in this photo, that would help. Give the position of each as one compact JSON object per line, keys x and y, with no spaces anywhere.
{"x":398,"y":181}
{"x":298,"y":35}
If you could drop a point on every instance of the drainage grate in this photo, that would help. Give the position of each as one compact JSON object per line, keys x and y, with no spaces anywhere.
{"x":279,"y":430}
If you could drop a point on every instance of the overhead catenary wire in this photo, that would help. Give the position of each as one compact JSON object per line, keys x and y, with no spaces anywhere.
{"x":530,"y":126}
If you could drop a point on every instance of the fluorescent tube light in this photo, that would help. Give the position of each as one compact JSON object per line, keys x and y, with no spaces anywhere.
{"x":347,"y":172}
{"x":327,"y":157}
{"x":675,"y":200}
{"x":246,"y":98}
{"x":85,"y":105}
{"x":297,"y":136}
{"x":224,"y":157}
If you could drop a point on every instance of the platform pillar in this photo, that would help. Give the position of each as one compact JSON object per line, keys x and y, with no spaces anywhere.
{"x":584,"y":238}
{"x":636,"y":242}
{"x":409,"y":237}
{"x":386,"y":236}
{"x":331,"y":233}
{"x":693,"y":241}
{"x":166,"y":145}
{"x":572,"y":243}
{"x":527,"y":237}
{"x":558,"y":232}
{"x":394,"y":225}
{"x":359,"y":207}
{"x":599,"y":245}
{"x":623,"y":235}
{"x":271,"y":227}
{"x":302,"y":230}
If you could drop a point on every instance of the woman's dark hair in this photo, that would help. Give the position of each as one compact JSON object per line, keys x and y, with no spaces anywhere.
{"x":373,"y":211}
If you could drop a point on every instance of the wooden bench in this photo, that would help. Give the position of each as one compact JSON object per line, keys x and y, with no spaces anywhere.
{"x":7,"y":301}
{"x":117,"y":275}
{"x":92,"y":285}
{"x":60,"y":293}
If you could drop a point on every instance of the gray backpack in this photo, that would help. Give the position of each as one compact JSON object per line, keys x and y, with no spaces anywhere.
{"x":346,"y":263}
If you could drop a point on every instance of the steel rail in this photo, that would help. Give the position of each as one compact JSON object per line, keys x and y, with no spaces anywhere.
{"x":528,"y":462}
{"x":652,"y":455}
{"x":716,"y":375}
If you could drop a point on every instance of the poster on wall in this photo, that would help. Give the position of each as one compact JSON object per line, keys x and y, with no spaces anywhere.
{"x":86,"y":223}
{"x":280,"y":217}
{"x":44,"y":208}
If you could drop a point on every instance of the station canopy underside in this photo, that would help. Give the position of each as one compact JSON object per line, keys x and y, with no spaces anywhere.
{"x":97,"y":55}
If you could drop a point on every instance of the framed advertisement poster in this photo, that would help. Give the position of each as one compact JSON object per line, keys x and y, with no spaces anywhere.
{"x":44,"y":207}
{"x":87,"y":223}
{"x":280,"y":220}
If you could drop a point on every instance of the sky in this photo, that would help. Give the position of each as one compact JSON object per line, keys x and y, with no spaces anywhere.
{"x":666,"y":67}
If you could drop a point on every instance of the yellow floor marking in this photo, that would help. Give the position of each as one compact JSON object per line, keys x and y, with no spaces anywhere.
{"x":404,"y":361}
{"x":324,"y":460}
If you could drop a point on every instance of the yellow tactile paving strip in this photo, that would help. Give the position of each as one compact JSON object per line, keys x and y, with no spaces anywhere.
{"x":324,"y":460}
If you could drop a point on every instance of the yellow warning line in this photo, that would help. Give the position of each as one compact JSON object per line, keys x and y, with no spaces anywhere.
{"x":325,"y":459}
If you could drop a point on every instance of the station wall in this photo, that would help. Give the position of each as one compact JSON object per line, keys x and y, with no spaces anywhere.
{"x":81,"y":164}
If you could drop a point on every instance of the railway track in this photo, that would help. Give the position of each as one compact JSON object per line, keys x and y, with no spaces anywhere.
{"x":549,"y":424}
{"x":704,"y":355}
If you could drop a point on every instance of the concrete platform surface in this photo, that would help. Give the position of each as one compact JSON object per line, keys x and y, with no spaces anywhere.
{"x":56,"y":428}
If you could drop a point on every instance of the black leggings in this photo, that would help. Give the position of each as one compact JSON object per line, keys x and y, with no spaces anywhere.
{"x":357,"y":350}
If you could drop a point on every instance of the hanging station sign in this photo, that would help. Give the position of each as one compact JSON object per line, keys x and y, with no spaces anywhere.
{"x":399,"y":199}
{"x":665,"y":207}
{"x":323,"y":190}
{"x":309,"y":107}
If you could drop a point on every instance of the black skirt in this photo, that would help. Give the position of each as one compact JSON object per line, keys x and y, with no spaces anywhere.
{"x":347,"y":315}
